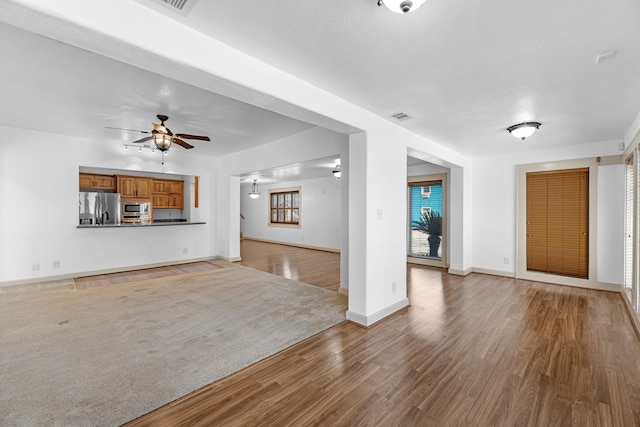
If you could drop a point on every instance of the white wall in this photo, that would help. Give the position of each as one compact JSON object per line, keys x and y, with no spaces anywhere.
{"x":611,"y":224}
{"x":494,"y":207}
{"x":320,"y":207}
{"x":39,"y":209}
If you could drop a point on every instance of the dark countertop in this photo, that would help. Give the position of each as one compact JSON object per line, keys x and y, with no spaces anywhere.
{"x":160,"y":223}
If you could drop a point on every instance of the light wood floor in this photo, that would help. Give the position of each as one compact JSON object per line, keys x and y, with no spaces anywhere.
{"x":469,"y":351}
{"x":318,"y":268}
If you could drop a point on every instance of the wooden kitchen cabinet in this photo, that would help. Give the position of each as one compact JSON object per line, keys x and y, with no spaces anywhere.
{"x":97,"y":182}
{"x":160,"y":201}
{"x":134,"y":187}
{"x":176,"y":201}
{"x":168,"y":194}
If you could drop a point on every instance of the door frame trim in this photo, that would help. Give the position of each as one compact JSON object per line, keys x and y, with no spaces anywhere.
{"x":445,"y":188}
{"x":521,"y":210}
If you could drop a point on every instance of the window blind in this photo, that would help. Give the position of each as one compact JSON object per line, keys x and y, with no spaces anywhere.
{"x":558,"y":222}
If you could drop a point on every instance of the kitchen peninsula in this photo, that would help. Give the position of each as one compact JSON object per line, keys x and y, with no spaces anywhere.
{"x":156,"y":223}
{"x":117,"y":198}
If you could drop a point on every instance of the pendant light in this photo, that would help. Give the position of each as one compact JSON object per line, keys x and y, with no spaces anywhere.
{"x":401,"y":6}
{"x":255,"y":193}
{"x":524,"y":130}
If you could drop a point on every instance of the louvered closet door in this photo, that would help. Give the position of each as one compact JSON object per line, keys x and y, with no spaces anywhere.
{"x":558,"y":222}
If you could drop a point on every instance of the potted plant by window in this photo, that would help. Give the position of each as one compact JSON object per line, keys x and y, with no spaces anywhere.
{"x":430,"y":223}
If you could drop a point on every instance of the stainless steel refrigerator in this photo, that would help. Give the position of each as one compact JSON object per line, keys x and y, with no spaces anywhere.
{"x":97,"y":208}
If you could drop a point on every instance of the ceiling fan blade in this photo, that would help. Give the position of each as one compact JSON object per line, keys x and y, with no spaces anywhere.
{"x":198,"y":137}
{"x":160,"y":128}
{"x":182,"y":143}
{"x":130,"y":130}
{"x":146,"y":138}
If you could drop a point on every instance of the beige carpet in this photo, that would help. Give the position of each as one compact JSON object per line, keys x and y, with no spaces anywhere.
{"x":104,"y":356}
{"x":101,"y":280}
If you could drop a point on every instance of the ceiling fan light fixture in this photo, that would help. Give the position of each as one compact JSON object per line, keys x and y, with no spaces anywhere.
{"x":162,"y":141}
{"x":523,"y":130}
{"x":255,"y":193}
{"x":401,"y":6}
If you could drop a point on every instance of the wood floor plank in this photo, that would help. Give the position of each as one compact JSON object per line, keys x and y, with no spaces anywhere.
{"x":470,"y":351}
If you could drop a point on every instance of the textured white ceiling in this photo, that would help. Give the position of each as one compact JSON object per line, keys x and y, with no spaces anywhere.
{"x":464,"y":71}
{"x":54,"y":87}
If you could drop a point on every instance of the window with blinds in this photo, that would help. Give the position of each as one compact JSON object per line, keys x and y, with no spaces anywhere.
{"x":558,"y":222}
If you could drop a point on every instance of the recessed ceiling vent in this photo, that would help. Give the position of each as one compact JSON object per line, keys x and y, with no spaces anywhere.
{"x":181,"y":7}
{"x":176,"y":4}
{"x":400,"y":116}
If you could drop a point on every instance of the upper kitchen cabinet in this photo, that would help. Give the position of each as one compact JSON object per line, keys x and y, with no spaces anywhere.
{"x":97,"y":182}
{"x":168,"y":194}
{"x":134,"y":187}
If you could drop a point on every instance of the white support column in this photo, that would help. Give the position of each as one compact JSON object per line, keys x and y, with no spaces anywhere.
{"x":234,"y":219}
{"x":377,"y":228}
{"x":344,"y":207}
{"x":461,"y":220}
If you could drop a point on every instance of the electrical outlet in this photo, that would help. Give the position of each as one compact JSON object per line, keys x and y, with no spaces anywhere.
{"x":506,"y":260}
{"x":55,"y":264}
{"x":185,"y":250}
{"x":35,"y":266}
{"x":393,"y":287}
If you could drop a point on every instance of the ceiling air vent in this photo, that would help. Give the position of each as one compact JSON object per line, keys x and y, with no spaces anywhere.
{"x":181,"y":7}
{"x":400,"y":116}
{"x":176,"y":4}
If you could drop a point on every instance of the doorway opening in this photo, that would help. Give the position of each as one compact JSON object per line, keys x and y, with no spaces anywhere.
{"x":427,"y":219}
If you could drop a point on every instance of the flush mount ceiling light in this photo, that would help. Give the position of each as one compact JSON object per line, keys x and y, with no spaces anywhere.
{"x":523,"y":130}
{"x":255,"y":193}
{"x":337,"y":171}
{"x":401,"y":6}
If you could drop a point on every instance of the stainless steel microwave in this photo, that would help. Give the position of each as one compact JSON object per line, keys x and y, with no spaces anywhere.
{"x":136,"y":212}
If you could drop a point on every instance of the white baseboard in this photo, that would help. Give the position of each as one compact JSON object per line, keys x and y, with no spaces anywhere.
{"x":501,"y":273}
{"x":62,"y":277}
{"x":460,"y":272}
{"x":343,"y":291}
{"x":568,"y":281}
{"x":296,"y":245}
{"x":555,"y":280}
{"x":367,"y":321}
